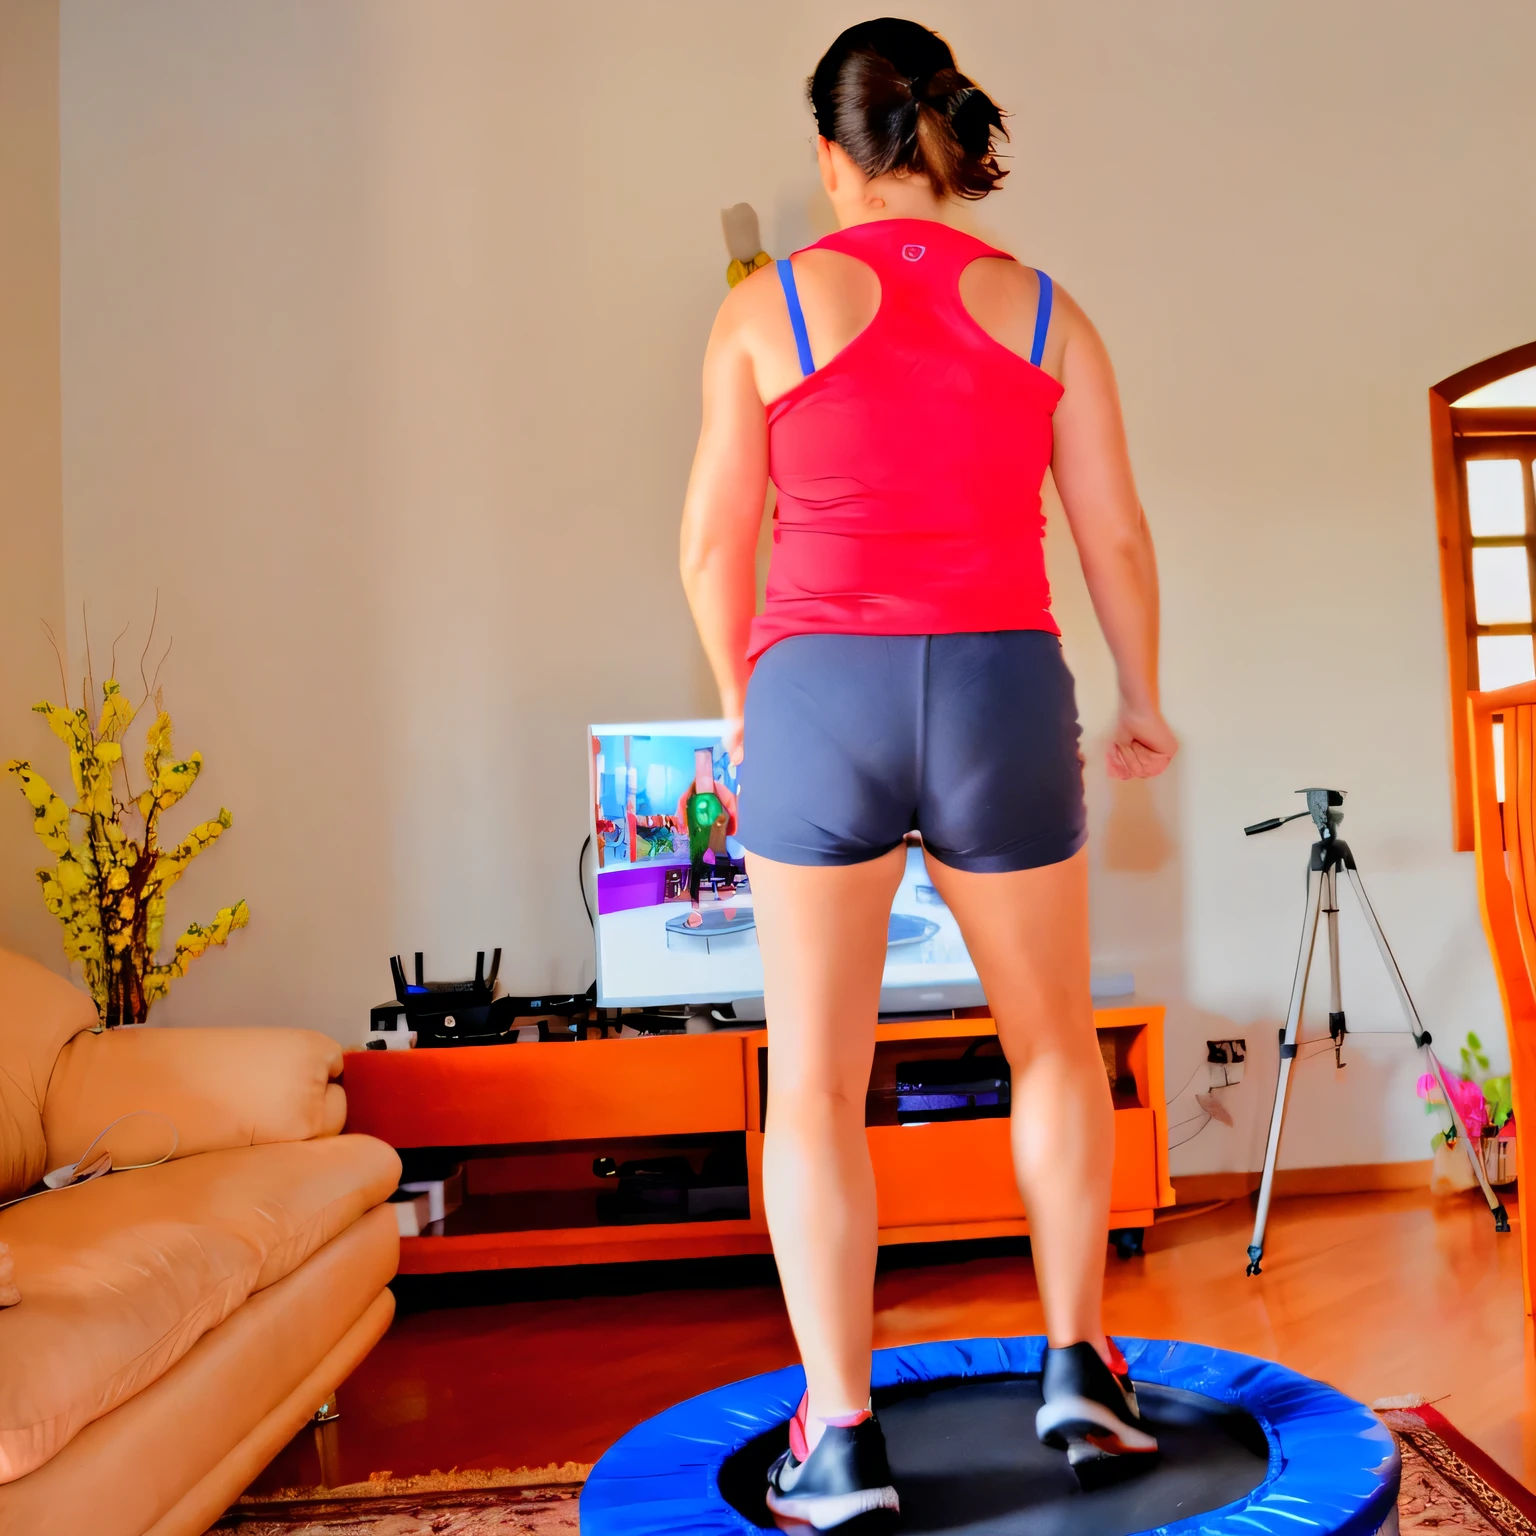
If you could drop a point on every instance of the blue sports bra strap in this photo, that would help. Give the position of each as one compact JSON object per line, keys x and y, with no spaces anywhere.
{"x":1042,"y":318}
{"x":796,"y":317}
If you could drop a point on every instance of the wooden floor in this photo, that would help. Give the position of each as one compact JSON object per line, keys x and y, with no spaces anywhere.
{"x":1381,"y":1294}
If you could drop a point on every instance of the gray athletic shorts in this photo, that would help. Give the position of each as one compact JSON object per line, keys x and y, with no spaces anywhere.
{"x":852,"y":741}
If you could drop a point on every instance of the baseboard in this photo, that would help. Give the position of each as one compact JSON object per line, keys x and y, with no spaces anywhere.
{"x":1345,"y":1179}
{"x":1198,"y":1188}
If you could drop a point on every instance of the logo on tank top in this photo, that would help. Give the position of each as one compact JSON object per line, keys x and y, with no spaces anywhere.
{"x":913,"y":252}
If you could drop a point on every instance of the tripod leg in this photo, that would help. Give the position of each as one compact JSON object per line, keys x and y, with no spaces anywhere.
{"x":1336,"y":1026}
{"x":1422,"y":1039}
{"x":1315,"y":882}
{"x":1495,"y":1205}
{"x":1388,"y":958}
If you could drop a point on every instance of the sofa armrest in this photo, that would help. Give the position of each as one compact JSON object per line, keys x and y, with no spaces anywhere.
{"x":219,"y":1087}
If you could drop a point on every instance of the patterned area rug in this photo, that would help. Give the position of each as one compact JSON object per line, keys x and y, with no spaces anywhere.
{"x":1450,"y":1488}
{"x":538,"y":1501}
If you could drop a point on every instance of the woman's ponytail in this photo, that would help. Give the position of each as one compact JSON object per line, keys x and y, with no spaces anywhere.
{"x":889,"y":94}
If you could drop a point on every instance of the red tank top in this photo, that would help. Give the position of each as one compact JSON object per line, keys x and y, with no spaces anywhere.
{"x":909,"y":466}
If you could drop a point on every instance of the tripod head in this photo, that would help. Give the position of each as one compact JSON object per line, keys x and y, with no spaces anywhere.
{"x":1324,"y":806}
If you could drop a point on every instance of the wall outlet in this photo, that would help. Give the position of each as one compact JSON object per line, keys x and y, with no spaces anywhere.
{"x":1226,"y":1058}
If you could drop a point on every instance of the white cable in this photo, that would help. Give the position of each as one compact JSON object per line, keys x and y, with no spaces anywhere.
{"x":52,"y":1189}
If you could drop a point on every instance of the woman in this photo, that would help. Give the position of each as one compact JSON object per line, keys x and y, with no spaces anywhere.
{"x":906,"y":387}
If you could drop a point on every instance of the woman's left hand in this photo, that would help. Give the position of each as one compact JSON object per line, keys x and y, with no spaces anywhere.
{"x":1142,"y":747}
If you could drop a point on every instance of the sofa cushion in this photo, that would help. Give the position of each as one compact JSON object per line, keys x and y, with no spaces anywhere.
{"x":219,"y":1087}
{"x":39,"y":1013}
{"x":120,"y":1277}
{"x":188,"y":1443}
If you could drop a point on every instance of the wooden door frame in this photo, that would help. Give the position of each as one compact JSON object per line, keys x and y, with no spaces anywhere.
{"x":1455,"y":555}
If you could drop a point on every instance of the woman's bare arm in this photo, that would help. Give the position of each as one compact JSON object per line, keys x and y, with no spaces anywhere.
{"x":724,"y":506}
{"x":1092,"y":468}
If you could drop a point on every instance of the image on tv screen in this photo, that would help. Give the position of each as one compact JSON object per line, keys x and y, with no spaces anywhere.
{"x":675,"y":922}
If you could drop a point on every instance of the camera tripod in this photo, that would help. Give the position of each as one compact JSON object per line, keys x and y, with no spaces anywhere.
{"x":1330,"y":854}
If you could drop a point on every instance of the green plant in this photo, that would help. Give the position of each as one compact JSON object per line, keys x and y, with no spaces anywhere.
{"x":1499,"y":1094}
{"x":1472,"y":1059}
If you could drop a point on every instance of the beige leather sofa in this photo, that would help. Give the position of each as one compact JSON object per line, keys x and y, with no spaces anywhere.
{"x":178,"y":1324}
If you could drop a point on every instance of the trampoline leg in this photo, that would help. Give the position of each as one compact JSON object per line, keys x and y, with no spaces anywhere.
{"x":1316,"y":880}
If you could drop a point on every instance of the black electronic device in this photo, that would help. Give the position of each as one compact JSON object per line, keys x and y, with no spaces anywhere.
{"x":968,"y":1087}
{"x":480,"y":988}
{"x":559,"y":1015}
{"x":449,"y":1013}
{"x":383,"y":1016}
{"x":492,"y":1023}
{"x":667,"y":1189}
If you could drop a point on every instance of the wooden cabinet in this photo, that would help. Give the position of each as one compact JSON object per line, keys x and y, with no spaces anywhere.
{"x":492,"y":1095}
{"x":529,"y":1120}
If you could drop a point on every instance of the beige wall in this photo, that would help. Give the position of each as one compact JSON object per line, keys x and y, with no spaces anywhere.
{"x":381,"y":336}
{"x":31,"y":506}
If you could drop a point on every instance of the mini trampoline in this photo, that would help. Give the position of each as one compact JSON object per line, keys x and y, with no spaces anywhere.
{"x":904,"y":928}
{"x":720,"y":925}
{"x":1248,"y":1449}
{"x":724,"y":924}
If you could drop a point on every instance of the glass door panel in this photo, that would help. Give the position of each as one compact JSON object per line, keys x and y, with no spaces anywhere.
{"x":1496,"y":498}
{"x":1504,"y":660}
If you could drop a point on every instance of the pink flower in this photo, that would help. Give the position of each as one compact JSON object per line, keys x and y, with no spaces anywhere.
{"x":1468,"y":1097}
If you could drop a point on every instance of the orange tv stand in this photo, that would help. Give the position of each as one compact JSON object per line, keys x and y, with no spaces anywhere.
{"x":531,"y":1121}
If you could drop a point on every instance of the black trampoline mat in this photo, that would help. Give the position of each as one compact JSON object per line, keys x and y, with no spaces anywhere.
{"x":965,"y":1458}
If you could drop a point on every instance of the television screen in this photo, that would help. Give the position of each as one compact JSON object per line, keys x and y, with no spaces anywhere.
{"x":674,"y":914}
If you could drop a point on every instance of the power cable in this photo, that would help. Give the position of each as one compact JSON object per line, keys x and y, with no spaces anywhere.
{"x":1173,"y":1098}
{"x":1180,"y":1142}
{"x":1180,"y":1124}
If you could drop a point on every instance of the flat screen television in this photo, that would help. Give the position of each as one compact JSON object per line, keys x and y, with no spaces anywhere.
{"x":674,"y":921}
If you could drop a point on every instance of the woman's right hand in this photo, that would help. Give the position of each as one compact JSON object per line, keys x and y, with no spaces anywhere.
{"x":1142,"y":746}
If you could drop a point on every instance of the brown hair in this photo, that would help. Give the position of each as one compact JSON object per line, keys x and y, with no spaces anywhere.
{"x":888,"y":92}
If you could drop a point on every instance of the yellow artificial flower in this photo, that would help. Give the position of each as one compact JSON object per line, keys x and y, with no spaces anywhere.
{"x":116,"y":712}
{"x":73,"y":879}
{"x":113,"y":926}
{"x":175,"y":779}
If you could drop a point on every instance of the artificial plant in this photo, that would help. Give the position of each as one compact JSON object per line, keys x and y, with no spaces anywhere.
{"x":1486,"y":1104}
{"x":106,"y":887}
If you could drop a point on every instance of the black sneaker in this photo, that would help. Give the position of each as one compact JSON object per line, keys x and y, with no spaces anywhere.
{"x":847,"y":1476}
{"x":1090,"y":1412}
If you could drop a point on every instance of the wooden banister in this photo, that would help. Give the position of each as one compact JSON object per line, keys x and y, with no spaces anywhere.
{"x":1505,"y":842}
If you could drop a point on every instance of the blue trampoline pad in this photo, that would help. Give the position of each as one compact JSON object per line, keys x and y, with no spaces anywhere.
{"x":1248,"y":1448}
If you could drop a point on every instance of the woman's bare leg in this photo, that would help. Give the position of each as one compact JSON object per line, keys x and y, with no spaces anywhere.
{"x":823,"y":937}
{"x":1028,"y":935}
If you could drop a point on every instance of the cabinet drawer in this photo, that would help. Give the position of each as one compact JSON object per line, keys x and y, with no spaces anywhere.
{"x":662,"y":1085}
{"x":962,"y":1170}
{"x":956,"y":1170}
{"x":1134,"y":1185}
